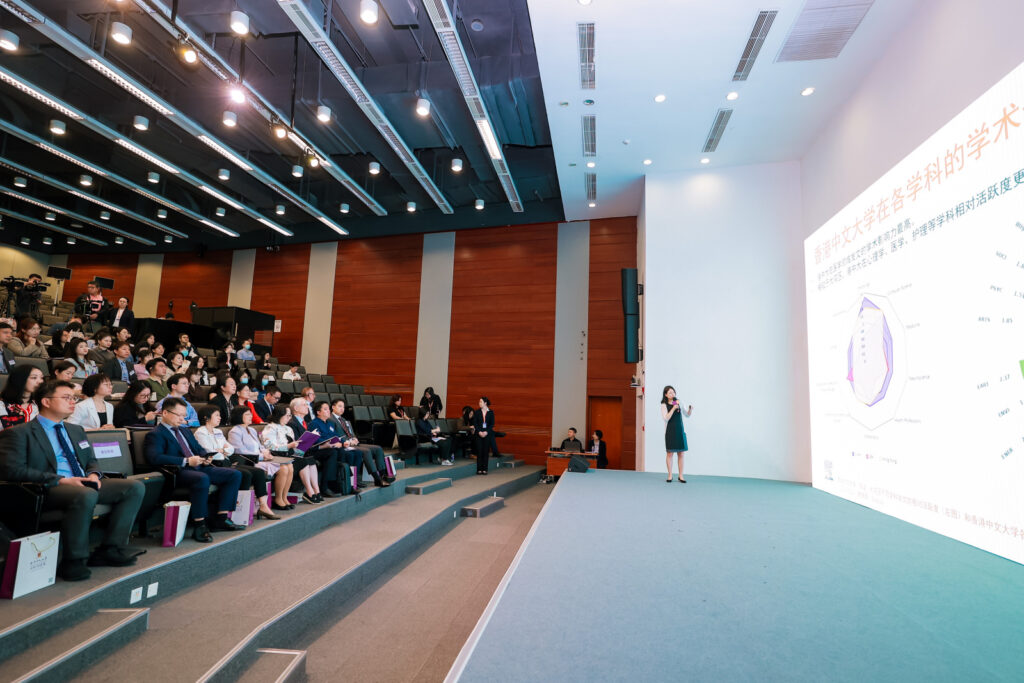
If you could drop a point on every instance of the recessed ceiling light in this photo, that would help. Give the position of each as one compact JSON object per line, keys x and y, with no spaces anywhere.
{"x":659,"y":98}
{"x":410,"y":207}
{"x":153,"y":177}
{"x":221,"y":211}
{"x":479,"y":205}
{"x":71,"y":240}
{"x":20,"y":182}
{"x":368,"y":11}
{"x":26,"y":241}
{"x":104,"y":215}
{"x":732,"y":96}
{"x":476,"y":25}
{"x":140,"y":123}
{"x":230,"y":119}
{"x":456,"y":165}
{"x":807,"y":91}
{"x":592,"y":204}
{"x":343,"y":208}
{"x":279,"y":209}
{"x":422,"y":107}
{"x":591,"y":164}
{"x":118,"y":240}
{"x":168,"y":239}
{"x":589,"y":103}
{"x":240,"y":22}
{"x":223,"y":174}
{"x":9,"y":40}
{"x":647,"y":162}
{"x":297,"y":171}
{"x":705,"y":160}
{"x":50,"y":216}
{"x":121,"y":33}
{"x":237,"y":94}
{"x":47,"y":241}
{"x":58,"y":127}
{"x":374,"y":168}
{"x":161,"y":213}
{"x":323,"y":113}
{"x":85,"y":180}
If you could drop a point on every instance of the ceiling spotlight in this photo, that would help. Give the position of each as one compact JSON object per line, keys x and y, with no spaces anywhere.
{"x":85,"y":180}
{"x":47,"y":241}
{"x":368,"y":11}
{"x":187,"y":54}
{"x":20,"y":182}
{"x":223,"y":174}
{"x":58,"y":127}
{"x":26,"y":241}
{"x":323,"y":113}
{"x":118,"y":240}
{"x":410,"y":207}
{"x":705,"y":160}
{"x":312,"y":160}
{"x":583,"y":2}
{"x":153,"y":177}
{"x":71,"y":240}
{"x":221,"y":211}
{"x":343,"y":208}
{"x":168,"y":239}
{"x":121,"y":33}
{"x":648,"y":162}
{"x":592,"y":204}
{"x":140,"y":123}
{"x":374,"y":168}
{"x":297,"y":171}
{"x":423,"y":106}
{"x":240,"y":22}
{"x":456,"y":165}
{"x":659,"y":98}
{"x":280,"y":132}
{"x":732,"y":96}
{"x":279,"y":209}
{"x":479,"y":204}
{"x":591,"y":164}
{"x":161,"y":213}
{"x":230,"y":119}
{"x":104,"y":215}
{"x":50,"y":216}
{"x":237,"y":94}
{"x":807,"y":91}
{"x":9,"y":40}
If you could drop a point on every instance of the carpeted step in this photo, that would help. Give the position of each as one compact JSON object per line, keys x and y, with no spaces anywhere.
{"x":512,"y":463}
{"x":483,"y":507}
{"x":277,"y":666}
{"x":60,"y":657}
{"x":428,"y":487}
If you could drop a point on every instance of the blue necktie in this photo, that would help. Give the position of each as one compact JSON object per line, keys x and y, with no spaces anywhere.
{"x":68,"y":451}
{"x":124,"y":371}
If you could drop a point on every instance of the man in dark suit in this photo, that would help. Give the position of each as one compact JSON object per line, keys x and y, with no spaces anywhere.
{"x":571,"y":443}
{"x":327,"y":459}
{"x":265,"y":405}
{"x":373,"y":456}
{"x":170,"y":443}
{"x":120,"y":368}
{"x":50,"y":451}
{"x":6,"y":356}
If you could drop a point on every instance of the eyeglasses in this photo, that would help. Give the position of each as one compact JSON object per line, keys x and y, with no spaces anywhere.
{"x":181,"y":415}
{"x":64,"y":397}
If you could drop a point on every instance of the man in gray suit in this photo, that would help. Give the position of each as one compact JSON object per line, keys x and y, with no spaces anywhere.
{"x":373,"y":456}
{"x":50,"y":451}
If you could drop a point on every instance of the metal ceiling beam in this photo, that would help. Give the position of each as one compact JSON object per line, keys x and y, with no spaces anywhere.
{"x":74,"y":215}
{"x":178,"y":30}
{"x":448,"y":34}
{"x":53,"y":228}
{"x":321,"y":43}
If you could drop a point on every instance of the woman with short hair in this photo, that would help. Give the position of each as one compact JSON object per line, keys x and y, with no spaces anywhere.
{"x":95,"y":411}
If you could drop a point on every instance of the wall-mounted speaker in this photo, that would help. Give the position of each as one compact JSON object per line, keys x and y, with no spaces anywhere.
{"x":104,"y":282}
{"x":630,"y":300}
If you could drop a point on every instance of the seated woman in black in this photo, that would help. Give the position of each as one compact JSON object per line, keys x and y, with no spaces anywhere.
{"x":395,"y":409}
{"x":223,"y":397}
{"x":431,"y":403}
{"x":599,"y":448}
{"x":134,"y":410}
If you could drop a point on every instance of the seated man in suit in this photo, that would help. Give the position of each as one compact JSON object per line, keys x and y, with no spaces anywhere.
{"x":323,"y":426}
{"x":171,"y":443}
{"x":326,"y":458}
{"x":373,"y":456}
{"x":50,"y":451}
{"x":6,"y":355}
{"x":433,"y":434}
{"x":265,"y":405}
{"x":571,"y":444}
{"x":120,"y":368}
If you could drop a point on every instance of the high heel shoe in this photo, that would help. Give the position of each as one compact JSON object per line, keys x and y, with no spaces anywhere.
{"x":682,"y":480}
{"x":275,"y":506}
{"x":260,"y":514}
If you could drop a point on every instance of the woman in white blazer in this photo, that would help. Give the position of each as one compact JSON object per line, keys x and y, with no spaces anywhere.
{"x":94,"y":411}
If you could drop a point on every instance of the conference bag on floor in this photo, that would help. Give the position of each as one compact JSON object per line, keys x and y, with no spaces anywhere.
{"x":245,"y":508}
{"x":175,"y":521}
{"x":31,"y":564}
{"x":389,"y":466}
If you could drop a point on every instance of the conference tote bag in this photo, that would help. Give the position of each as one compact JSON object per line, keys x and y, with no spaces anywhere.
{"x":175,"y":521}
{"x":245,"y":508}
{"x":31,"y":564}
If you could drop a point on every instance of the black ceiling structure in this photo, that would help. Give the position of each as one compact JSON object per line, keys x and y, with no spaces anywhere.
{"x":67,"y":67}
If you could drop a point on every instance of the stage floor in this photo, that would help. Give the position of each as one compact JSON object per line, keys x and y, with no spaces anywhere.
{"x":627,"y":577}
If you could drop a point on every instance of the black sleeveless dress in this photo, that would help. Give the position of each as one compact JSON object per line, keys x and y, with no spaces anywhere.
{"x":675,"y":437}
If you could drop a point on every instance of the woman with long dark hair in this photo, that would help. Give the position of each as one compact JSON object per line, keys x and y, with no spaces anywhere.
{"x":395,"y":409}
{"x":483,"y":425}
{"x":133,"y":409}
{"x":16,"y":396}
{"x":675,"y":437}
{"x":431,"y":404}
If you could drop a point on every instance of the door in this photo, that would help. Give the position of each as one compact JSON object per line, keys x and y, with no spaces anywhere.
{"x":605,"y":413}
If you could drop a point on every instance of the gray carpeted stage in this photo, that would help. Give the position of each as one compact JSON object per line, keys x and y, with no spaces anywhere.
{"x":627,"y":577}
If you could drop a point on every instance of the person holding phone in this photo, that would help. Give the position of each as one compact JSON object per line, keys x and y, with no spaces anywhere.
{"x":675,"y":437}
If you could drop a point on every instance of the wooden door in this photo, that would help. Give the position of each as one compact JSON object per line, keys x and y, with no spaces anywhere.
{"x":605,"y":413}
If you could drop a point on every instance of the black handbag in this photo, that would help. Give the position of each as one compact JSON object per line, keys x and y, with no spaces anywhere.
{"x":578,"y":463}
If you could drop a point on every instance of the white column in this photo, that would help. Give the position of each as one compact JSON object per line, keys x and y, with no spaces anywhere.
{"x":435,"y":320}
{"x":243,"y":267}
{"x":316,"y":327}
{"x":572,"y":296}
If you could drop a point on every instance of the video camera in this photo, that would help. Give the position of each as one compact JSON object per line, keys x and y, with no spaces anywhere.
{"x":11,"y":283}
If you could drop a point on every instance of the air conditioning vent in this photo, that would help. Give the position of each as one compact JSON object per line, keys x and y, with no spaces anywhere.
{"x":823,"y":29}
{"x":762,"y":25}
{"x":590,"y":183}
{"x":717,"y":129}
{"x":590,"y":136}
{"x":585,"y":41}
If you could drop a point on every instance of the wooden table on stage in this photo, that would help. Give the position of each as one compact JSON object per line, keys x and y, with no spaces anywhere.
{"x":558,"y":461}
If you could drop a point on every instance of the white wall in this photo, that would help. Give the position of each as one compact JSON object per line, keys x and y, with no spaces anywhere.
{"x":572,"y":292}
{"x":433,"y":333}
{"x":720,"y":272}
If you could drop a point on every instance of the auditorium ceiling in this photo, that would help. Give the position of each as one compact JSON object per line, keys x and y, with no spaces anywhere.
{"x":151,"y":125}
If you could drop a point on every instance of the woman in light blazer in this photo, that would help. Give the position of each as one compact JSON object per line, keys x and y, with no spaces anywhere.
{"x":94,"y":411}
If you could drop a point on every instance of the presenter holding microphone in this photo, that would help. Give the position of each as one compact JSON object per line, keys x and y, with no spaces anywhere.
{"x":675,"y":437}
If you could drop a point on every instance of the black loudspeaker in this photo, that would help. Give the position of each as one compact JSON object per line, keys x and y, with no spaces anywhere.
{"x":104,"y":282}
{"x":632,"y":345}
{"x":630,"y":303}
{"x":58,"y":273}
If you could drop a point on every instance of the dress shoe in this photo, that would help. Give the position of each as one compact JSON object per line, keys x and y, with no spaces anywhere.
{"x":110,"y":556}
{"x":202,"y":533}
{"x":275,"y":506}
{"x":260,"y":514}
{"x":74,"y":570}
{"x":327,"y":493}
{"x":311,"y":499}
{"x":222,"y":523}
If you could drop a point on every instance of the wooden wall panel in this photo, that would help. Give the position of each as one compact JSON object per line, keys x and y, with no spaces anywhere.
{"x":120,"y":268}
{"x":503,"y":331}
{"x":187,"y":277}
{"x":376,"y":314}
{"x":612,"y":247}
{"x":279,"y":288}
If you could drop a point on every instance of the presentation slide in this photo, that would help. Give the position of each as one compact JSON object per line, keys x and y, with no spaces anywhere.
{"x":915,"y":317}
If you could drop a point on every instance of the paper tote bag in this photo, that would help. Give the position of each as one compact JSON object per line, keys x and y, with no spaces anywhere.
{"x":245,"y":508}
{"x":389,"y":465}
{"x":175,"y":521}
{"x":31,"y":564}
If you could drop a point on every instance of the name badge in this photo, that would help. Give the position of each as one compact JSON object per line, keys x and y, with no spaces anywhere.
{"x":83,"y":444}
{"x":11,"y":362}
